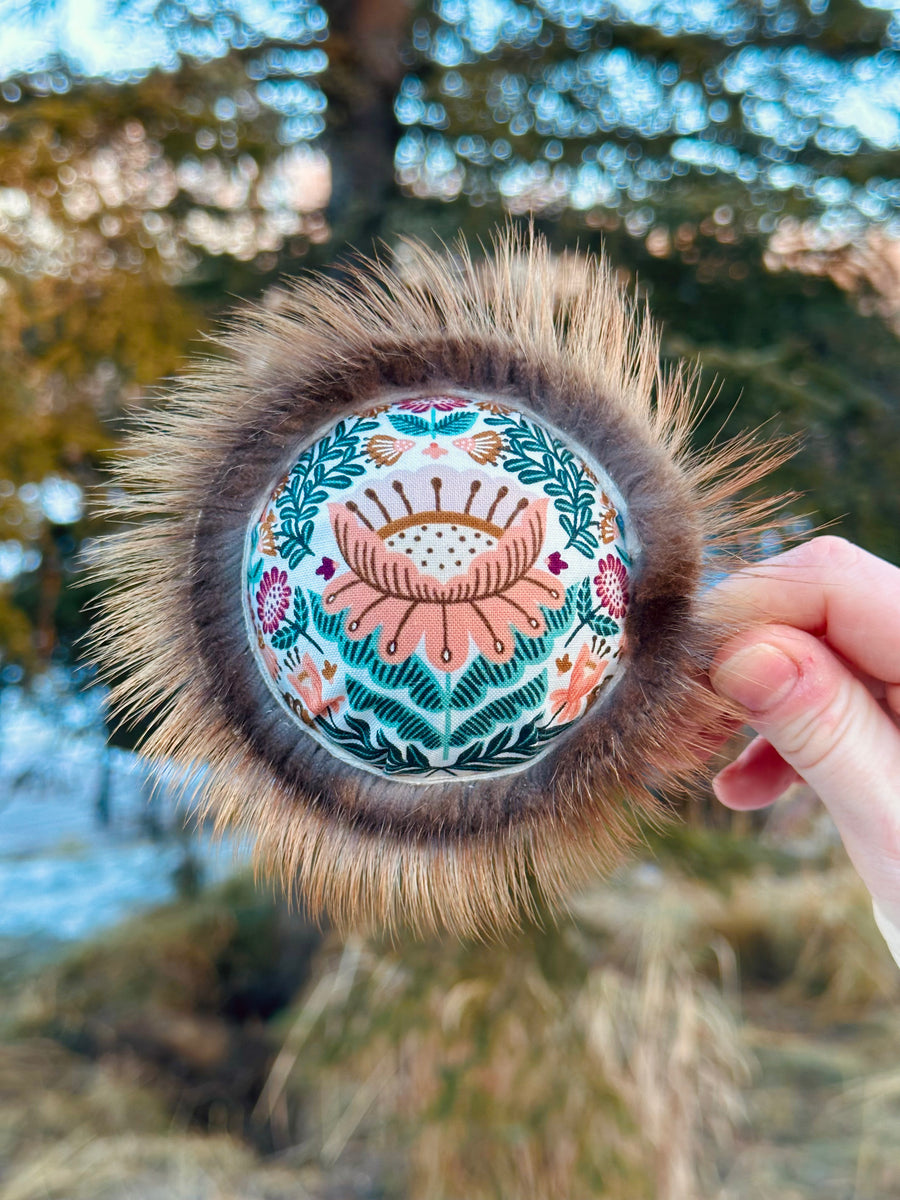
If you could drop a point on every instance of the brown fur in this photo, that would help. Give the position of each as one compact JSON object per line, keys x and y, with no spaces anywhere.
{"x":556,"y":336}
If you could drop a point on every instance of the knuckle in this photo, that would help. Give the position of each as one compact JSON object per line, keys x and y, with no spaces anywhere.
{"x":818,"y":733}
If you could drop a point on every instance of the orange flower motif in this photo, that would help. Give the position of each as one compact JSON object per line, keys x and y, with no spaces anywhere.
{"x":500,"y":591}
{"x":608,"y":530}
{"x":270,"y":658}
{"x":585,"y":676}
{"x":386,"y":450}
{"x":482,"y":448}
{"x":307,"y":683}
{"x":267,"y":534}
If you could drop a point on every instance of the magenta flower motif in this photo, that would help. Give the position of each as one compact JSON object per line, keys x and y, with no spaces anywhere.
{"x":272,"y":599}
{"x":424,"y":404}
{"x":612,"y":585}
{"x":326,"y":568}
{"x":555,"y":563}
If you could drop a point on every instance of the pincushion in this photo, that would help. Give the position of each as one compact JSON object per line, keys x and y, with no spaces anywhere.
{"x":437,"y":587}
{"x":420,"y":606}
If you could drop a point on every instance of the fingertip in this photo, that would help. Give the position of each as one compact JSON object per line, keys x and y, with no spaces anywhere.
{"x":733,"y":791}
{"x":756,"y":778}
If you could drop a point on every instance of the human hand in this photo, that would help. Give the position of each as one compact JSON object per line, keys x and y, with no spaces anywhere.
{"x":820,"y":681}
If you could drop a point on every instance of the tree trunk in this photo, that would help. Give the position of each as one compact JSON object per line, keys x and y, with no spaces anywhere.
{"x":365,"y":50}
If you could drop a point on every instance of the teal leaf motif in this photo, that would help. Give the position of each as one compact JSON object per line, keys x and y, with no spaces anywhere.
{"x":506,"y":708}
{"x":409,"y":425}
{"x":329,"y":625}
{"x":381,"y":753}
{"x":424,"y":691}
{"x":255,"y":573}
{"x":330,"y":464}
{"x":458,"y":422}
{"x":482,"y":674}
{"x":412,"y":674}
{"x":288,"y":635}
{"x":537,"y":458}
{"x":598,"y":622}
{"x":393,"y":713}
{"x":603,"y":625}
{"x":501,"y":751}
{"x":584,"y":604}
{"x":426,"y":695}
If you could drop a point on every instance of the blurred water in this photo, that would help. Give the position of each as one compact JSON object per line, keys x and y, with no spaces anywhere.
{"x":65,"y":872}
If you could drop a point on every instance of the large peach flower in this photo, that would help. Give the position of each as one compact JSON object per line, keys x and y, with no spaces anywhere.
{"x":500,"y":592}
{"x":586,"y":674}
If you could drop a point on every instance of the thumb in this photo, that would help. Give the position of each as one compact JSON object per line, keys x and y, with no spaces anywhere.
{"x":828,"y":726}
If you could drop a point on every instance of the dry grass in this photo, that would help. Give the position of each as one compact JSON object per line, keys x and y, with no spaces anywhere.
{"x":523,"y":1072}
{"x":677,"y":1039}
{"x":76,"y":1129}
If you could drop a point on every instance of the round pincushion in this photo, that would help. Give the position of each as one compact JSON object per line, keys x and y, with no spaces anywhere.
{"x":437,"y":588}
{"x":419,"y":608}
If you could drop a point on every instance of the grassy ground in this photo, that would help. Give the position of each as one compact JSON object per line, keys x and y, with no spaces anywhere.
{"x":720,"y":1022}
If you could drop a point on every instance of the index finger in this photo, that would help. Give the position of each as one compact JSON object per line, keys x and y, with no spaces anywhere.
{"x":833,"y":589}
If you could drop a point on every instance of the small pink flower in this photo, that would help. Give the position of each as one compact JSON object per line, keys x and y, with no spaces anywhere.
{"x":326,"y":568}
{"x":586,"y":674}
{"x":612,"y":585}
{"x":435,"y":451}
{"x":423,"y":404}
{"x":272,"y":599}
{"x":307,"y":683}
{"x":555,"y":563}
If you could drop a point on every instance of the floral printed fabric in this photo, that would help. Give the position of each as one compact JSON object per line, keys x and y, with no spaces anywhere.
{"x":437,"y":588}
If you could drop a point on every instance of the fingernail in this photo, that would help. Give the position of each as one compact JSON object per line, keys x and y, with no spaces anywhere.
{"x":757,"y":677}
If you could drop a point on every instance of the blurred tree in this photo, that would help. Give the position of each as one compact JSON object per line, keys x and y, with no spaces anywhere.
{"x":112,"y":238}
{"x":714,"y":149}
{"x":676,"y":107}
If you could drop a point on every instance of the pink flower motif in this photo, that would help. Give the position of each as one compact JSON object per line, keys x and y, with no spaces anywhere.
{"x":585,"y":676}
{"x":424,"y":404}
{"x":612,"y":585}
{"x":499,"y":592}
{"x":272,"y":599}
{"x":435,"y":451}
{"x":484,"y":447}
{"x":307,"y":683}
{"x":326,"y":567}
{"x":555,"y":563}
{"x":386,"y":450}
{"x":270,"y":658}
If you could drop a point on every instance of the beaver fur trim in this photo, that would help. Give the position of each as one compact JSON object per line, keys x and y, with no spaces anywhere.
{"x":555,"y":336}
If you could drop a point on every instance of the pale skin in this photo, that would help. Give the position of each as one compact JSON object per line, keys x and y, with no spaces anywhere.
{"x":819,"y":680}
